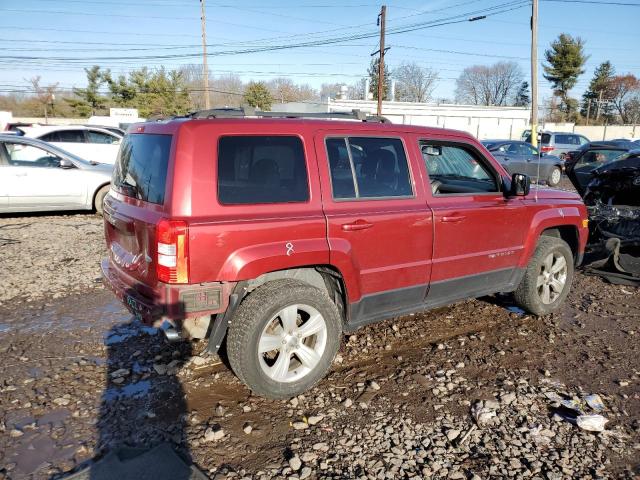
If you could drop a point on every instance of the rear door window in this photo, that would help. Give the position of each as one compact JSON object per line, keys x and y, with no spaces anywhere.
{"x":261,"y":169}
{"x":368,"y":167}
{"x":141,"y":168}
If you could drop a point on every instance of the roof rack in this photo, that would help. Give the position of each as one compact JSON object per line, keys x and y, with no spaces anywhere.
{"x":244,"y":112}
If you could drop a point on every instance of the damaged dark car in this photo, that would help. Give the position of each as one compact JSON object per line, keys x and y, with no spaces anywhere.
{"x":608,"y":179}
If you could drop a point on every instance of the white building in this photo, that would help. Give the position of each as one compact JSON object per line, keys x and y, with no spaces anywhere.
{"x":483,"y":122}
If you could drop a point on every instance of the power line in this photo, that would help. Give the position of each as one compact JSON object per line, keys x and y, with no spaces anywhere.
{"x":596,"y":2}
{"x":494,"y":10}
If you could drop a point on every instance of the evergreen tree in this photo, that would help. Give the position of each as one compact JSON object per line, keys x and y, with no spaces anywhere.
{"x":522,"y":96}
{"x":565,"y":60}
{"x":600,"y":83}
{"x":373,"y":80}
{"x":258,"y":95}
{"x":88,"y":101}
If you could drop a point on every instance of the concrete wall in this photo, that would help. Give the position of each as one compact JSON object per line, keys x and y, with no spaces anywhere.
{"x":596,"y":132}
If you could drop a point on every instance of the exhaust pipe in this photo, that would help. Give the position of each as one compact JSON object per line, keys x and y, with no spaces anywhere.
{"x":170,"y":331}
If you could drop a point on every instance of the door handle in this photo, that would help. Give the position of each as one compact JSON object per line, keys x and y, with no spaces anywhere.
{"x":453,"y":219}
{"x":357,"y":225}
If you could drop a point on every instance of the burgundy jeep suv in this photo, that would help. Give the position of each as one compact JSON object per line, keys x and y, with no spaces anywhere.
{"x":280,"y":234}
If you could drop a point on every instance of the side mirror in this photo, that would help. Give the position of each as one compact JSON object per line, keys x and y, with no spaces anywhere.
{"x":65,"y":163}
{"x":520,"y":185}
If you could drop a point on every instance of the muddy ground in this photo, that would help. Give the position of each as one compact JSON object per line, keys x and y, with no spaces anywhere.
{"x":80,"y":378}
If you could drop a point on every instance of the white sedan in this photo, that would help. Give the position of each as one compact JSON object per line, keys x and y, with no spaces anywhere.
{"x":93,"y":143}
{"x":36,"y":176}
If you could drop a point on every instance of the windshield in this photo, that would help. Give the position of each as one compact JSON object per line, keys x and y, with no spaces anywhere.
{"x":71,"y":156}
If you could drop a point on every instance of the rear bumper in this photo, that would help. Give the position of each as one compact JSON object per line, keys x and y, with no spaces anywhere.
{"x":170,"y":302}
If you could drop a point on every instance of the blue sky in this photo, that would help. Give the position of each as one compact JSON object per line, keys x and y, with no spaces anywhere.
{"x":67,"y":35}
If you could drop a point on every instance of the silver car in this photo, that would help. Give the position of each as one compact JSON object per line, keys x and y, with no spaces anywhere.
{"x":522,"y":157}
{"x":36,"y":176}
{"x":559,"y":143}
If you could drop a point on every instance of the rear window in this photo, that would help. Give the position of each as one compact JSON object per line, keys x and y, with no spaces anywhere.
{"x":141,"y":168}
{"x":545,"y":138}
{"x":261,"y":169}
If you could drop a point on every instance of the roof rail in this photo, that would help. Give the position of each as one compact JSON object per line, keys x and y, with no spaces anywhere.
{"x":243,"y":112}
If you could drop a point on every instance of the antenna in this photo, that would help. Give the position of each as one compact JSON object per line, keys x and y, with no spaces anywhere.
{"x":539,"y":138}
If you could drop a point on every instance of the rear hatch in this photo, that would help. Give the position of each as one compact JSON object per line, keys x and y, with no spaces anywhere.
{"x":136,"y":205}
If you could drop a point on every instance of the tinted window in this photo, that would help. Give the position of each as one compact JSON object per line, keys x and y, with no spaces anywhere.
{"x":141,"y":168}
{"x":342,"y":181}
{"x":261,"y":169}
{"x":456,"y":169}
{"x":69,"y":136}
{"x":100,"y":137}
{"x":379,"y":164}
{"x":565,"y":139}
{"x":545,"y":138}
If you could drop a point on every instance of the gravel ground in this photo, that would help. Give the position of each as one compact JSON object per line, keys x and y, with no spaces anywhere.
{"x":49,"y":256}
{"x":470,"y":391}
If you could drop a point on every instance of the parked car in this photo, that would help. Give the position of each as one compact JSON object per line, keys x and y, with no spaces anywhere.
{"x":559,"y":143}
{"x":93,"y":143}
{"x":37,"y":176}
{"x":288,"y":232}
{"x":522,"y":157}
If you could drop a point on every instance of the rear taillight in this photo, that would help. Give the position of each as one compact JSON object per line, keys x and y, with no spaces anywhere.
{"x":546,"y":148}
{"x":173,"y":251}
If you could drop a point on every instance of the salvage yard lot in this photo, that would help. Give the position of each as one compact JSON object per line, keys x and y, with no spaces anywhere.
{"x":398,"y":402}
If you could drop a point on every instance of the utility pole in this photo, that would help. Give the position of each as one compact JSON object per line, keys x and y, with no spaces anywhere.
{"x":534,"y":73}
{"x":205,"y":68}
{"x":588,"y":110}
{"x":599,"y":103}
{"x":381,"y":22}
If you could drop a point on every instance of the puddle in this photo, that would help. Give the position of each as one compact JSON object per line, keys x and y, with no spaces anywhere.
{"x":132,"y":390}
{"x":126,"y":332}
{"x":97,"y":309}
{"x":54,"y":417}
{"x":516,"y":310}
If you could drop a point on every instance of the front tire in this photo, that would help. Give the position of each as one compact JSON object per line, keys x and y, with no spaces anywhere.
{"x":547,"y":279}
{"x":554,"y":177}
{"x":283,"y":338}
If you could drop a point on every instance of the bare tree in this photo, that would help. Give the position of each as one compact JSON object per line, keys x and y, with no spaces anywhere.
{"x":284,"y":90}
{"x":625,"y":95}
{"x":227,"y":91}
{"x":496,"y":84}
{"x":356,"y":91}
{"x":44,"y":95}
{"x":414,"y":83}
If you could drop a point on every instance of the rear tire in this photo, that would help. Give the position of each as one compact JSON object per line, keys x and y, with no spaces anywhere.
{"x":554,"y":177}
{"x":283,"y":338}
{"x":547,"y":279}
{"x":99,"y":199}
